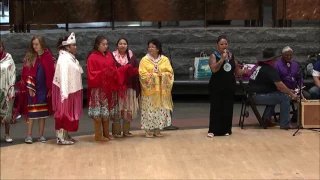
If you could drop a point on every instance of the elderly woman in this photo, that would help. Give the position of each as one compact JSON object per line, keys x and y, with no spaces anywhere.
{"x":8,"y":77}
{"x":156,"y":78}
{"x":222,"y":87}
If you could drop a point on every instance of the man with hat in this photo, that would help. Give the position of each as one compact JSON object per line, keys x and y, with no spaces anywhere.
{"x":267,"y":88}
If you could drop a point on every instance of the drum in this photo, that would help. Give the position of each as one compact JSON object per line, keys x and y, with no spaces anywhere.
{"x":310,"y":114}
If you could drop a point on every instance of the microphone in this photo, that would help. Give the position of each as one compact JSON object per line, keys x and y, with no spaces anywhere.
{"x":226,"y":51}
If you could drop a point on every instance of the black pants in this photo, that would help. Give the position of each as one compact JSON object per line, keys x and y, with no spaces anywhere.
{"x":221,"y":112}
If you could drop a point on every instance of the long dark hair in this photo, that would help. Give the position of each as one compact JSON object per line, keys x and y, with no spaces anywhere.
{"x":96,"y":44}
{"x":127,"y":50}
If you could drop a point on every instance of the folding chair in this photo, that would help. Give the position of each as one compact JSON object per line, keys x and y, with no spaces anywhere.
{"x":247,"y":99}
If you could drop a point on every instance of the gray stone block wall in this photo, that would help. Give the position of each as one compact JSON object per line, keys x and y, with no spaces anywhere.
{"x":185,"y":44}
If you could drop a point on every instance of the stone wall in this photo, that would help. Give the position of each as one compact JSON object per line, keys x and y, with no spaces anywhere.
{"x":185,"y":44}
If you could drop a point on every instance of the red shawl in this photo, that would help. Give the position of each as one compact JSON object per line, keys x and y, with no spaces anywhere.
{"x":47,"y":64}
{"x":103,"y":73}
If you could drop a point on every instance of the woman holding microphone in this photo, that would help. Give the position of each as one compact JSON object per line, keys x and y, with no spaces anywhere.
{"x":222,"y":85}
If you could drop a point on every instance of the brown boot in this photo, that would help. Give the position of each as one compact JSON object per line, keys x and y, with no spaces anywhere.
{"x":126,"y":129}
{"x":97,"y":130}
{"x":116,"y":129}
{"x":105,"y":127}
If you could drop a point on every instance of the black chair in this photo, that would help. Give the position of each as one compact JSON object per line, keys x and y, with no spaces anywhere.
{"x":247,"y":99}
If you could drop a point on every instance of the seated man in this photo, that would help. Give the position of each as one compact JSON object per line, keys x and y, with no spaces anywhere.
{"x":288,"y":69}
{"x":290,"y":74}
{"x":315,"y":90}
{"x":267,"y":88}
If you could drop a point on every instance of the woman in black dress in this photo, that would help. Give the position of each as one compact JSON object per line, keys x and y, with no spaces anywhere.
{"x":222,"y":87}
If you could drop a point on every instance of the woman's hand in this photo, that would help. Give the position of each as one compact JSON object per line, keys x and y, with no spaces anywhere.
{"x":224,"y":56}
{"x":31,"y":93}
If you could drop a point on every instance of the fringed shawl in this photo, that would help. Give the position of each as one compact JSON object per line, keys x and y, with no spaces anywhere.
{"x":159,"y":88}
{"x":103,"y":73}
{"x":7,"y":80}
{"x":7,"y":73}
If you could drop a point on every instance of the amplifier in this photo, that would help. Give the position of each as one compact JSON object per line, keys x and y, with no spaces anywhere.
{"x":310,"y":114}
